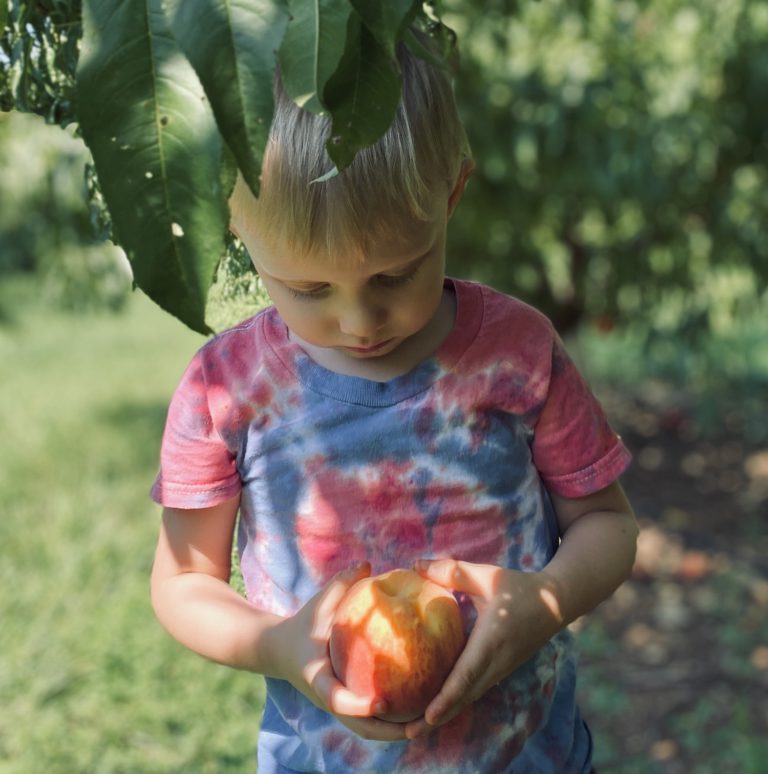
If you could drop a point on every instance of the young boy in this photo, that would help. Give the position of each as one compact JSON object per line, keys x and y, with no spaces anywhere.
{"x":381,"y":415}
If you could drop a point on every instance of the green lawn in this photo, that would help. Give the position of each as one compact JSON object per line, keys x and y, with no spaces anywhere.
{"x":89,"y":682}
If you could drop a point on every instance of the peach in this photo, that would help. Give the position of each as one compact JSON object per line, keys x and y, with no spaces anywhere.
{"x":396,"y":637}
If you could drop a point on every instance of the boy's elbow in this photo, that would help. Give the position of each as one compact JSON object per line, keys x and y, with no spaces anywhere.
{"x":159,"y":593}
{"x":631,"y":534}
{"x":156,"y":595}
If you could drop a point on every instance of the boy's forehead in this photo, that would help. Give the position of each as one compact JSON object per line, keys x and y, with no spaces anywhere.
{"x":389,"y":250}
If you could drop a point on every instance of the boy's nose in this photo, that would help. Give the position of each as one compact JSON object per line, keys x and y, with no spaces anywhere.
{"x":362,"y":319}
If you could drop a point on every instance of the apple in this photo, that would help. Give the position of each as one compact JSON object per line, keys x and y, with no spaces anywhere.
{"x":396,"y":636}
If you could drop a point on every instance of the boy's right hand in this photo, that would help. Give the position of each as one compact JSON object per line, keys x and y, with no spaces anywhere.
{"x":305,"y":662}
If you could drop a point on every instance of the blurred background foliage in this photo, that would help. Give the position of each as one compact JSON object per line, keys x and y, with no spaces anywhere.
{"x":49,"y":219}
{"x":623,"y":157}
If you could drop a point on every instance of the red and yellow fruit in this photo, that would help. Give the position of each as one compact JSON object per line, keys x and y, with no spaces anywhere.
{"x":396,"y":637}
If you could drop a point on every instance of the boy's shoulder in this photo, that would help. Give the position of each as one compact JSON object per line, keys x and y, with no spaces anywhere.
{"x":246,"y":330}
{"x":505,"y":316}
{"x":245,"y":341}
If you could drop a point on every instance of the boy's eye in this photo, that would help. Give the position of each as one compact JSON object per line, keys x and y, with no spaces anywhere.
{"x":383,"y":280}
{"x":307,"y":293}
{"x":394,"y":280}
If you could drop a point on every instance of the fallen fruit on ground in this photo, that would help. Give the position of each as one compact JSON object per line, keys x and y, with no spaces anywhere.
{"x":396,"y":636}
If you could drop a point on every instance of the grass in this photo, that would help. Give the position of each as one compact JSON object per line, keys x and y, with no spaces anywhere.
{"x":717,"y":373}
{"x":89,"y":682}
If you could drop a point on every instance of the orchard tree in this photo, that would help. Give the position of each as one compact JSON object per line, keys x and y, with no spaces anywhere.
{"x":622,"y":151}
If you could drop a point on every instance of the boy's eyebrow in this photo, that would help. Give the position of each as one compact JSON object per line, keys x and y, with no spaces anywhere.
{"x":410,"y":262}
{"x":401,"y":267}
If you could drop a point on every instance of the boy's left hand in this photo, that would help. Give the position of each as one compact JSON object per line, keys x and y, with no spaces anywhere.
{"x":517,"y":613}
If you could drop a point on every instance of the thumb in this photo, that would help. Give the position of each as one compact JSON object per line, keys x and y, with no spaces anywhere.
{"x":330,"y":597}
{"x":477,"y":580}
{"x":342,"y":701}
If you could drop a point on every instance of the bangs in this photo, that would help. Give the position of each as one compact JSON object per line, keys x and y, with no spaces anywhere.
{"x":389,"y":188}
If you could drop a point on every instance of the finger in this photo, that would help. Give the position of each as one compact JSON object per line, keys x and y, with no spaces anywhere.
{"x":343,"y":702}
{"x":375,"y":729}
{"x":338,"y":698}
{"x":478,"y":580}
{"x":471,"y":676}
{"x":417,"y":728}
{"x":334,"y":592}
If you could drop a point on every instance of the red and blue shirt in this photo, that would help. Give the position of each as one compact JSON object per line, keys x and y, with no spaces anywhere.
{"x":453,"y":459}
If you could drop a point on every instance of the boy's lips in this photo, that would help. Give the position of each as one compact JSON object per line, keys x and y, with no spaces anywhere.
{"x":366,"y":350}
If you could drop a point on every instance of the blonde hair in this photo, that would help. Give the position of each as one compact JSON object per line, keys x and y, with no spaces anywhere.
{"x":389,"y":185}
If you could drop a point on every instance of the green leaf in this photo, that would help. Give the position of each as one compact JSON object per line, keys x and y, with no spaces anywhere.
{"x":440,"y":55}
{"x":387,"y":20}
{"x":232,"y":47}
{"x":157,"y":152}
{"x":362,"y":95}
{"x":440,"y":49}
{"x":3,"y":14}
{"x":312,"y":49}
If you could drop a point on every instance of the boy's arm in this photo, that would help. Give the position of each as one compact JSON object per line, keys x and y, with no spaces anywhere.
{"x":518,"y":612}
{"x":193,"y":600}
{"x":192,"y":597}
{"x":597,"y":551}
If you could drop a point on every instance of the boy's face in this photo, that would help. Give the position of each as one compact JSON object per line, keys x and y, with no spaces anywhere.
{"x":359,"y":307}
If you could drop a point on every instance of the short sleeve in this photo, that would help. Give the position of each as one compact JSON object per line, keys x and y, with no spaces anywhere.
{"x":197,"y":470}
{"x":574,"y":448}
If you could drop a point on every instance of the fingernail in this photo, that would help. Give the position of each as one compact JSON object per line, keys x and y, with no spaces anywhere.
{"x":414,"y":732}
{"x":379,"y":708}
{"x":435,"y":718}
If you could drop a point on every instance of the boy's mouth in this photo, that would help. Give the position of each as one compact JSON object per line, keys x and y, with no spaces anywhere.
{"x":368,"y":350}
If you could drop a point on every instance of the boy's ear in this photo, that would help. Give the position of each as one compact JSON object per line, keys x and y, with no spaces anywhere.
{"x":465,"y":172}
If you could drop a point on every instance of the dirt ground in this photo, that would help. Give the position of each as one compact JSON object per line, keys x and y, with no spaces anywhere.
{"x":676,"y":664}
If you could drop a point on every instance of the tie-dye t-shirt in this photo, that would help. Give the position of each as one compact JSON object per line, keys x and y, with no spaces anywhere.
{"x":453,"y":459}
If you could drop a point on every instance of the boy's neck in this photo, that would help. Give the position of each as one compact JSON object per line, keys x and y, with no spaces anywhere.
{"x":400,"y":361}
